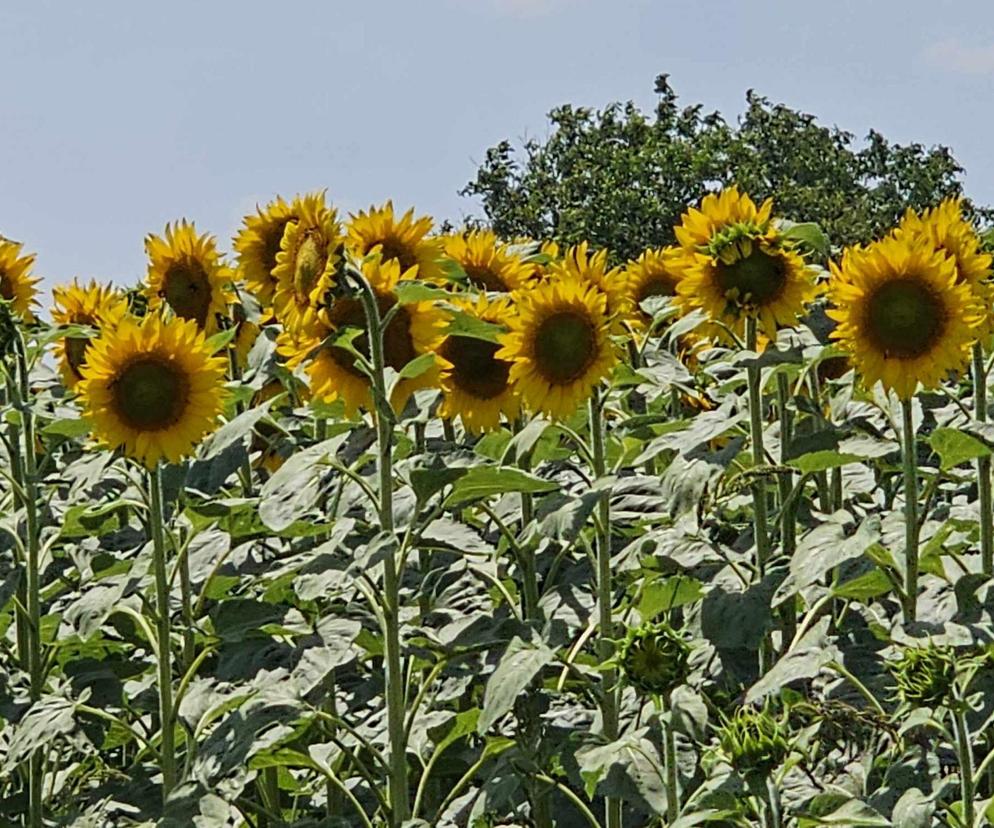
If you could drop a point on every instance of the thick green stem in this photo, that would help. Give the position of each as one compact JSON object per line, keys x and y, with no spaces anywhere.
{"x":669,"y":751}
{"x":910,"y":463}
{"x":964,"y":755}
{"x":605,"y":595}
{"x":245,"y":472}
{"x":788,"y":515}
{"x":167,"y":747}
{"x":394,"y":678}
{"x":753,"y":373}
{"x":772,"y":804}
{"x":983,"y":465}
{"x":33,"y":579}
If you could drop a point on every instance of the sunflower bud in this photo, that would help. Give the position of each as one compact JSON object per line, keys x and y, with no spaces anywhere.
{"x":654,"y":658}
{"x":754,"y":742}
{"x":925,"y":675}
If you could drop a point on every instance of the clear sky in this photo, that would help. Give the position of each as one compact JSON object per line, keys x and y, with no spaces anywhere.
{"x":118,"y":116}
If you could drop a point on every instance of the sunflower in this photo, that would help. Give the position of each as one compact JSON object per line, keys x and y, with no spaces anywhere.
{"x":307,"y":262}
{"x":591,"y":268}
{"x":186,"y":274}
{"x":405,"y":239}
{"x":902,"y":317}
{"x":736,"y":264}
{"x":488,"y":264}
{"x":98,"y":306}
{"x":947,"y":230}
{"x":257,"y":245}
{"x":414,"y":329}
{"x":559,"y":344}
{"x":654,"y":273}
{"x":476,"y":386}
{"x":152,"y":388}
{"x":17,"y":285}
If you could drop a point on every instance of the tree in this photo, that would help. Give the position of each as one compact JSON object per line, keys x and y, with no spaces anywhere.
{"x":621,"y":179}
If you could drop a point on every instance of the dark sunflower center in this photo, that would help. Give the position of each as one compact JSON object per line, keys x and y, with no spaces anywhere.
{"x":474,"y":369}
{"x":271,"y":241}
{"x":150,"y":393}
{"x":657,"y":286}
{"x":565,"y":346}
{"x":905,"y":318}
{"x":6,"y":286}
{"x":395,"y":249}
{"x":754,"y":280}
{"x":187,"y":290}
{"x":398,"y":344}
{"x":484,"y":277}
{"x":312,"y":256}
{"x":76,"y":353}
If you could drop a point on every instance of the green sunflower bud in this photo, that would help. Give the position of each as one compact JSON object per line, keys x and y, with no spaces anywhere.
{"x":925,"y":675}
{"x":654,"y":658}
{"x":754,"y":742}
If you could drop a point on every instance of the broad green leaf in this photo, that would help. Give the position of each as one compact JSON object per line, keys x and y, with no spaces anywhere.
{"x":816,"y":461}
{"x":667,"y":594}
{"x":486,"y":481}
{"x":869,"y":585}
{"x":519,"y":665}
{"x":955,"y":447}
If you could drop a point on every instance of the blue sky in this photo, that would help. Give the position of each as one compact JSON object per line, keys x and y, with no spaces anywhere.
{"x":116,"y":117}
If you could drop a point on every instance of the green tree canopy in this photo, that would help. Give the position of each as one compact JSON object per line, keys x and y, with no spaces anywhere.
{"x":621,"y":178}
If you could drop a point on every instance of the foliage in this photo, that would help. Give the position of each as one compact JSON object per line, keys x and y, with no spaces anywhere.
{"x":620,"y":178}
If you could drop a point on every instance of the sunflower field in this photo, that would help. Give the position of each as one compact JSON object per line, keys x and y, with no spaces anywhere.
{"x":368,"y":524}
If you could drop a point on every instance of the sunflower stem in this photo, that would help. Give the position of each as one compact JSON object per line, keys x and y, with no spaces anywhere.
{"x":605,"y":594}
{"x":759,"y":505}
{"x":167,"y":747}
{"x":788,"y":515}
{"x":910,"y":464}
{"x":669,"y":751}
{"x":983,"y":465}
{"x":394,"y":675}
{"x":964,"y":756}
{"x":33,"y":580}
{"x":245,"y":472}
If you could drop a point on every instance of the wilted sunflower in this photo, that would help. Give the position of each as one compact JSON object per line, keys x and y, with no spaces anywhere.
{"x":654,"y":273}
{"x":152,"y":388}
{"x":94,"y":305}
{"x":902,"y":317}
{"x":488,"y":264}
{"x":333,"y":370}
{"x":559,"y":345}
{"x":405,"y":239}
{"x":947,"y":230}
{"x":310,"y":252}
{"x":257,"y":245}
{"x":735,"y":264}
{"x":17,"y":285}
{"x":578,"y":263}
{"x":477,"y":386}
{"x":186,"y":274}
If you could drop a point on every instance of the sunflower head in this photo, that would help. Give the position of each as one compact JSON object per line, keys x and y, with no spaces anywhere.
{"x":558,"y":344}
{"x":925,"y":675}
{"x":734,"y":263}
{"x":152,"y":388}
{"x":948,"y":231}
{"x":476,"y":386}
{"x":306,"y":266}
{"x":902,"y":317}
{"x":655,"y":272}
{"x":654,"y":658}
{"x":754,"y":742}
{"x":97,"y":306}
{"x":334,"y":368}
{"x":257,"y":245}
{"x":403,"y":239}
{"x":580,"y":264}
{"x":488,"y":264}
{"x":17,"y":285}
{"x":187,"y":276}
